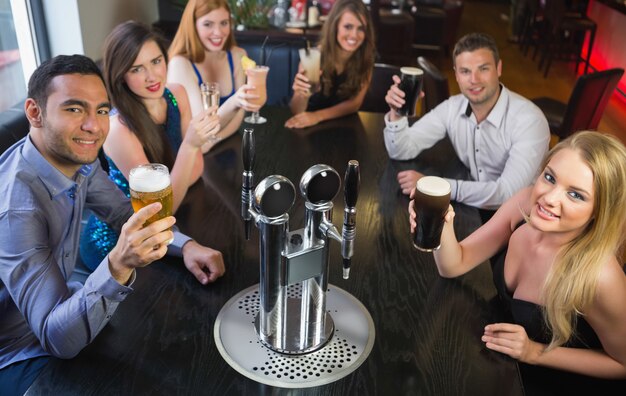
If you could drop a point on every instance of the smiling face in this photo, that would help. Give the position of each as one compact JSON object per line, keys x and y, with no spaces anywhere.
{"x":213,"y":29}
{"x":146,"y":76}
{"x":478,"y":76}
{"x":350,"y":32}
{"x":563,"y":196}
{"x":75,"y":123}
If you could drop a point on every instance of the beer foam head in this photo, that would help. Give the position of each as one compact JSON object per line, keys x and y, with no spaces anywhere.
{"x":433,"y":186}
{"x":413,"y":71}
{"x":148,"y":179}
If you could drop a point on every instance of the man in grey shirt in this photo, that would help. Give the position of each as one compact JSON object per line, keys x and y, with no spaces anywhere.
{"x":500,"y":136}
{"x":46,"y":180}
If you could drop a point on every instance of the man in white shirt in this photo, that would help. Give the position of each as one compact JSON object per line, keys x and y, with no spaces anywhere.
{"x":500,"y":136}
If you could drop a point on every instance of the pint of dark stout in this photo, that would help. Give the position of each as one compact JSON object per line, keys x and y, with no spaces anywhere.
{"x":411,"y":85}
{"x":430,"y":202}
{"x":150,"y":183}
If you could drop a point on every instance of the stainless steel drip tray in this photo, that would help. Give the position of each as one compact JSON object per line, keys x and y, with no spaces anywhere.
{"x":239,"y":345}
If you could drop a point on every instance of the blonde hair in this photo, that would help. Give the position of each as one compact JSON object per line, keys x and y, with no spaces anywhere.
{"x":186,"y":41}
{"x":571,"y":284}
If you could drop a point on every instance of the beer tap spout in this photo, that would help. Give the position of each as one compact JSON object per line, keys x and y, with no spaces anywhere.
{"x":330,"y":230}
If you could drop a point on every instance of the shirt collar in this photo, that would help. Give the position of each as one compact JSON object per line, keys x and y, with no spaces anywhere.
{"x":496,"y":115}
{"x":53,"y":179}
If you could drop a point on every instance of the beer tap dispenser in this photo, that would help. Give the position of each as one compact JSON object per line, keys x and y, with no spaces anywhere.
{"x":292,"y":314}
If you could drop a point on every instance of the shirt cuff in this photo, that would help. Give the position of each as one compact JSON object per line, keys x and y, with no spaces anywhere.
{"x":454,"y":189}
{"x":176,"y":247}
{"x":103,"y":282}
{"x":395,"y":126}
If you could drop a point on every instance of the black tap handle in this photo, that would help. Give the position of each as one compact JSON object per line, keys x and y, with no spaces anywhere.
{"x":247,"y":149}
{"x":352,"y":180}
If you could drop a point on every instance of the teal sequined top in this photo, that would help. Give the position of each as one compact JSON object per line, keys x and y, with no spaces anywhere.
{"x":97,"y":238}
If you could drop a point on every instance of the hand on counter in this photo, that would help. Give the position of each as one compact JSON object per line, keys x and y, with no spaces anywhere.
{"x":205,"y":263}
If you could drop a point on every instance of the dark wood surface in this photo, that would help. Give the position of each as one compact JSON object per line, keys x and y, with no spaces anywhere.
{"x":160,"y":340}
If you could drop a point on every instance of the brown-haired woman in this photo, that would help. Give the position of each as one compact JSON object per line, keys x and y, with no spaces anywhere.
{"x":151,"y":122}
{"x":347,"y":60}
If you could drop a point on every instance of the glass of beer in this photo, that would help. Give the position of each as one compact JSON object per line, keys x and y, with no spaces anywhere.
{"x":430,"y":202}
{"x":210,"y":93}
{"x":257,"y":77}
{"x":311,"y":62}
{"x":411,"y":84}
{"x":150,"y":183}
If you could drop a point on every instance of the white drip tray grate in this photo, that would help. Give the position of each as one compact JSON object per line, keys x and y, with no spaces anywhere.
{"x":239,"y":345}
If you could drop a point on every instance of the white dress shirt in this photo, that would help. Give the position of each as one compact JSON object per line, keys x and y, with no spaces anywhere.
{"x":502,"y":152}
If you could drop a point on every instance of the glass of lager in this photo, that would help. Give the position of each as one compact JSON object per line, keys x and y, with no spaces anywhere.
{"x":430,"y":202}
{"x":411,"y":84}
{"x":150,"y":183}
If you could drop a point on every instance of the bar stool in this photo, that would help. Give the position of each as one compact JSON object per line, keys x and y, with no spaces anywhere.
{"x":532,"y":23}
{"x":564,"y":29}
{"x":585,"y":106}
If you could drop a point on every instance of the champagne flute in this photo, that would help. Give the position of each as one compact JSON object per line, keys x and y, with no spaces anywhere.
{"x":257,"y":77}
{"x":210,"y":93}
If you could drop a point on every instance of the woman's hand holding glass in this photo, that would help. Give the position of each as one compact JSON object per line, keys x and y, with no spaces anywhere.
{"x":245,"y":96}
{"x":301,"y":84}
{"x":449,"y":218}
{"x":203,"y":128}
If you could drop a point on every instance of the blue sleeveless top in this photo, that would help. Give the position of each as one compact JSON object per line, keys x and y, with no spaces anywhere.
{"x":97,"y":237}
{"x":232,"y":77}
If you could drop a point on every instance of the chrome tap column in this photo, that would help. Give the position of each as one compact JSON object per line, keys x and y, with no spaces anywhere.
{"x":318,"y":186}
{"x":273,"y":198}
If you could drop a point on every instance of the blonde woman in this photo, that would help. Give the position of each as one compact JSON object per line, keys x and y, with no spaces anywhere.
{"x":555,"y":267}
{"x":204,"y":50}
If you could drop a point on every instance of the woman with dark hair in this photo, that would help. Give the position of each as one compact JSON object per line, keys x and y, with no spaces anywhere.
{"x":204,"y":50}
{"x":347,"y":60}
{"x":151,"y":122}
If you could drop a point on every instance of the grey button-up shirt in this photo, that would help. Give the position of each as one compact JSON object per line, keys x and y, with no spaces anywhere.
{"x":502,"y":152}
